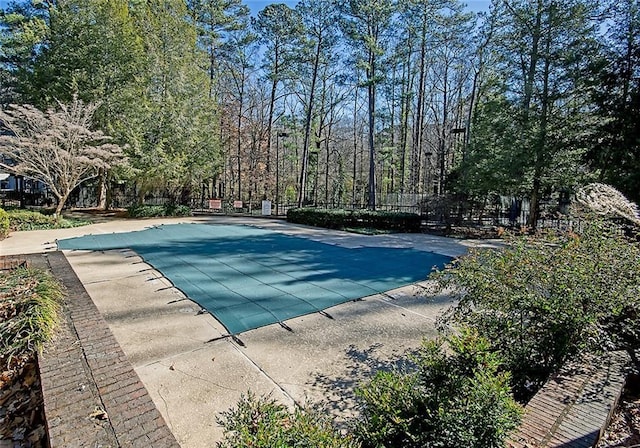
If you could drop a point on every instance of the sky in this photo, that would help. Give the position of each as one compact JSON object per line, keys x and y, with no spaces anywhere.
{"x":257,"y":5}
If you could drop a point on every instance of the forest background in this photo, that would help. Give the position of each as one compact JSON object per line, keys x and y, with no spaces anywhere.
{"x":343,"y":103}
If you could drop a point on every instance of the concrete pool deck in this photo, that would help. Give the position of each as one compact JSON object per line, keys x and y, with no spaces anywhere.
{"x":192,"y":375}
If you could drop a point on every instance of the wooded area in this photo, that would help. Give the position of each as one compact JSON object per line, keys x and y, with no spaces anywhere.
{"x":344,"y":103}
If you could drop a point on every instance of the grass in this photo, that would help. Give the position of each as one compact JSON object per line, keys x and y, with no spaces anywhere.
{"x":33,"y":220}
{"x":30,"y":303}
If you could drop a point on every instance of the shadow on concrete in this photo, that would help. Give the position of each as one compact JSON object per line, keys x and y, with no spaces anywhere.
{"x":360,"y":366}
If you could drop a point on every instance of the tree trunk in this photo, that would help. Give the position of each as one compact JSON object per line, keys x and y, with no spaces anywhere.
{"x":102,"y":191}
{"x":404,"y":112}
{"x":416,"y":151}
{"x":302,"y":184}
{"x":540,"y":147}
{"x":443,"y":134}
{"x":272,"y":102}
{"x":239,"y":141}
{"x":62,"y":200}
{"x":371,"y":90}
{"x":355,"y":148}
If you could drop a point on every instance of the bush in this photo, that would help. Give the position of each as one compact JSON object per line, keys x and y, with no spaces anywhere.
{"x":29,"y":312}
{"x":20,"y":220}
{"x":4,"y":223}
{"x":30,"y":220}
{"x":346,"y":219}
{"x":452,"y":400}
{"x":178,"y":210}
{"x":155,"y":211}
{"x":544,"y":299}
{"x":262,"y":422}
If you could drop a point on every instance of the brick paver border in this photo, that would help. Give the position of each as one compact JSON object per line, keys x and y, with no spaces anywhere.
{"x":92,"y":395}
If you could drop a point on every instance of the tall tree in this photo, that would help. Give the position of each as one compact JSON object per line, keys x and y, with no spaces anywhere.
{"x":399,"y":90}
{"x":319,"y":22}
{"x":279,"y":29}
{"x":419,"y":17}
{"x":542,"y":49}
{"x":367,"y":24}
{"x":178,"y":148}
{"x":23,"y":27}
{"x":616,"y":94}
{"x":214,"y":19}
{"x":450,"y":75}
{"x":93,"y":49}
{"x":239,"y":59}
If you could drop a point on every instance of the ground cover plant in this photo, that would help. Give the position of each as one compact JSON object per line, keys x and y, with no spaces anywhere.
{"x":21,"y":219}
{"x":29,"y":312}
{"x":546,"y":298}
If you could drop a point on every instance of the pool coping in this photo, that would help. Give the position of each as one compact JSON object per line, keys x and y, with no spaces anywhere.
{"x":92,"y":395}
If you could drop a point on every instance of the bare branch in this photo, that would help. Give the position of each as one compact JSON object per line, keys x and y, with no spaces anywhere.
{"x":57,"y":147}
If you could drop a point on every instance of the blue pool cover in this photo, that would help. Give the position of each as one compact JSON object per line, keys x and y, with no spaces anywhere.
{"x":248,"y":277}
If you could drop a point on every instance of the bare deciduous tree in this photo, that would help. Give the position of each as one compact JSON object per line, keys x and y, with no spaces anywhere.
{"x":57,"y":147}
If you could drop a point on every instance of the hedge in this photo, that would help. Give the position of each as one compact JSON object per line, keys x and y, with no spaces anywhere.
{"x":344,"y":219}
{"x":154,"y":211}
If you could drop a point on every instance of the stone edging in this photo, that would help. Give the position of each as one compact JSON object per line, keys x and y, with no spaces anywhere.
{"x":92,"y":395}
{"x":574,"y":407}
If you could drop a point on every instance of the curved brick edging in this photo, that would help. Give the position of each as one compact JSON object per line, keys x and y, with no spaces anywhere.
{"x":574,"y":407}
{"x":92,"y":395}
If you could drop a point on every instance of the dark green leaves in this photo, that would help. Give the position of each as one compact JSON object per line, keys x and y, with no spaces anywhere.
{"x":542,"y":300}
{"x":455,"y":396}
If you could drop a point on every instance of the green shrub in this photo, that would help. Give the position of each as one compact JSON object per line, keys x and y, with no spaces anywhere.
{"x":29,"y":312}
{"x":30,"y":220}
{"x":544,"y":299}
{"x":155,"y":211}
{"x":4,"y":223}
{"x":20,"y":219}
{"x":177,"y":210}
{"x":145,"y":211}
{"x":449,"y":400}
{"x":262,"y":422}
{"x":363,"y":219}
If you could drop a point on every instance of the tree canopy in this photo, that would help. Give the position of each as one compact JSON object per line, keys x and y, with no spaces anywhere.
{"x":360,"y":103}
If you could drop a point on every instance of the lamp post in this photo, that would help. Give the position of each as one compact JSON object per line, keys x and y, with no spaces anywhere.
{"x":280,"y":134}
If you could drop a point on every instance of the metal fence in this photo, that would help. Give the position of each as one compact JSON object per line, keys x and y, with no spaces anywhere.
{"x":436,"y":211}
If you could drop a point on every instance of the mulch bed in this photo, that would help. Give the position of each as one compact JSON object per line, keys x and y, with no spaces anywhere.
{"x":624,"y":429}
{"x":22,"y":419}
